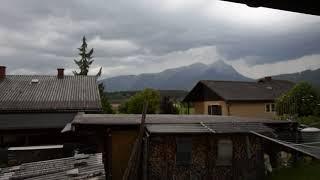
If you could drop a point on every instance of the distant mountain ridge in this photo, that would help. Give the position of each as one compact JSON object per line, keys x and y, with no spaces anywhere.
{"x":182,"y":78}
{"x":311,"y":76}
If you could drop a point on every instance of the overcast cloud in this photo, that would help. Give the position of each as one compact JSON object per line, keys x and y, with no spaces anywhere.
{"x":142,"y":36}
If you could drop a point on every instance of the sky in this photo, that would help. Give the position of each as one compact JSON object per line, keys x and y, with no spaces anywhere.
{"x":147,"y":36}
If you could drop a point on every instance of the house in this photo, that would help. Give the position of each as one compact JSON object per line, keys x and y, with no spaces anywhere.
{"x":34,"y":109}
{"x":237,"y":98}
{"x":188,"y":146}
{"x":77,"y":167}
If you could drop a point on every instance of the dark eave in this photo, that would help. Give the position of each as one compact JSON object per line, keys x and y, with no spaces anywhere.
{"x":306,"y":6}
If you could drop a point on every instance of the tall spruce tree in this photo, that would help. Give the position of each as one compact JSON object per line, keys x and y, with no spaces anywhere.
{"x":85,"y":59}
{"x":84,"y":65}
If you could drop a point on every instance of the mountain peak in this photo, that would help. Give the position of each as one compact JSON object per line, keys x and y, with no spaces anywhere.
{"x":181,"y":78}
{"x":219,"y":63}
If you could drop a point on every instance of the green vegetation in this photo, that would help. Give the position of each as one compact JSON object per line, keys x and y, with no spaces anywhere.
{"x":302,"y":102}
{"x":85,"y":59}
{"x":313,"y":121}
{"x":183,"y":108}
{"x":169,"y":101}
{"x":120,"y":97}
{"x":167,"y":106}
{"x":106,"y":106}
{"x":303,"y":171}
{"x":135,"y":103}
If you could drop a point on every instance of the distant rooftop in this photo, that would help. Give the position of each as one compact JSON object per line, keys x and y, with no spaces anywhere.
{"x":49,"y":93}
{"x":263,"y":90}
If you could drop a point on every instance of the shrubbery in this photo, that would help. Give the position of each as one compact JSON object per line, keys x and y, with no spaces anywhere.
{"x":301,"y":103}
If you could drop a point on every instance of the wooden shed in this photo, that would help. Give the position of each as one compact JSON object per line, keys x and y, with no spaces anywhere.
{"x":180,"y":146}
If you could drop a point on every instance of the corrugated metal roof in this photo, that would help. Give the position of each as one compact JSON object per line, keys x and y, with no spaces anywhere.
{"x":71,"y":93}
{"x":135,"y":119}
{"x":217,"y":127}
{"x":244,"y":91}
{"x":89,"y":167}
{"x":34,"y":120}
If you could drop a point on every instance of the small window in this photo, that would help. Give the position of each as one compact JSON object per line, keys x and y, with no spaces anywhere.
{"x":270,"y":107}
{"x":225,"y":153}
{"x":214,"y":110}
{"x":184,"y":151}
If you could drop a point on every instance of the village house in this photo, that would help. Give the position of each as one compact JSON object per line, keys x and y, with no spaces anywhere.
{"x":188,"y":146}
{"x":34,"y":109}
{"x":237,"y":98}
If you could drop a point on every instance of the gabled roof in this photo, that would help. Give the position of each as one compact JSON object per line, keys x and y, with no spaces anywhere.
{"x":49,"y":93}
{"x":263,"y":90}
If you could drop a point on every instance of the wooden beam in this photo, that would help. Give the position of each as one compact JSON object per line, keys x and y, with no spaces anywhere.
{"x":107,"y":154}
{"x":134,"y":162}
{"x":145,"y":158}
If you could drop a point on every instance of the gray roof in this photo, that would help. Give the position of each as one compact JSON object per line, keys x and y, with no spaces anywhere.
{"x":34,"y":120}
{"x":135,"y":119}
{"x":87,"y":166}
{"x":157,"y":123}
{"x":242,"y":90}
{"x":71,"y":93}
{"x":217,"y":127}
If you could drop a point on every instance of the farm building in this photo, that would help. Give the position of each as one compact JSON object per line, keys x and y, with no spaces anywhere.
{"x":237,"y":98}
{"x":34,"y":109}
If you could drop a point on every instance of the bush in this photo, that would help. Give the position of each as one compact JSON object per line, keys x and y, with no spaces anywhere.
{"x":167,"y":106}
{"x":135,"y":104}
{"x":301,"y":100}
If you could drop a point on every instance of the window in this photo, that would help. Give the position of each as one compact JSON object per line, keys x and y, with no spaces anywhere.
{"x":214,"y":110}
{"x":184,"y":151}
{"x":267,"y":107}
{"x":270,"y":107}
{"x":225,"y":153}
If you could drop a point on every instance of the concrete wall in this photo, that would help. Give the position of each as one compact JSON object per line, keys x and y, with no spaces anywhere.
{"x":242,"y":109}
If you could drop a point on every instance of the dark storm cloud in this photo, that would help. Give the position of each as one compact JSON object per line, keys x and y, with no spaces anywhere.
{"x":41,"y":35}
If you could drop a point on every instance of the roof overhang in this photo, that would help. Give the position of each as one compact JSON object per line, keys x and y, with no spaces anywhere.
{"x":306,"y":6}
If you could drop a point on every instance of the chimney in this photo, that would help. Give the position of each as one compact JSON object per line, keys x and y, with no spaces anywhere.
{"x":60,"y":73}
{"x":2,"y":72}
{"x":268,"y":78}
